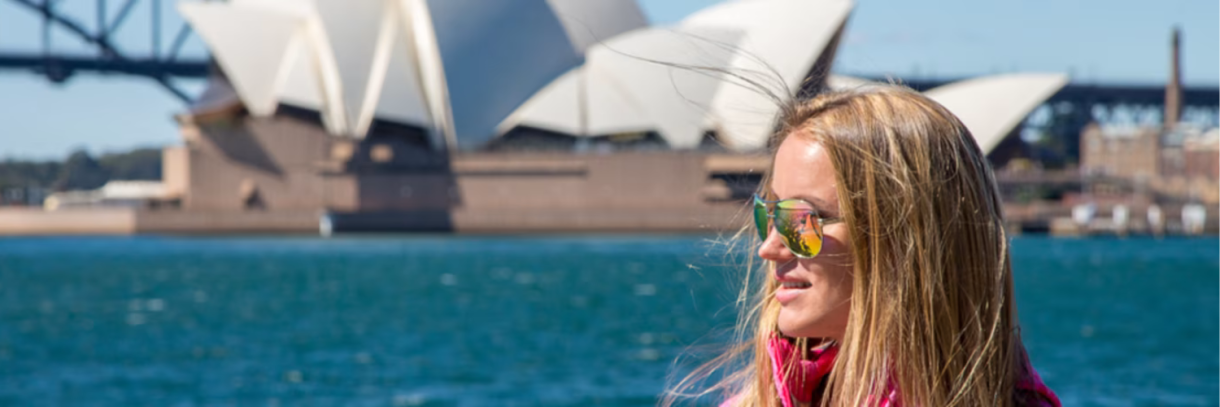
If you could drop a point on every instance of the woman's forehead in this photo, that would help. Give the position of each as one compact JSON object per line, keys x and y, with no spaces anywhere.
{"x":803,"y":170}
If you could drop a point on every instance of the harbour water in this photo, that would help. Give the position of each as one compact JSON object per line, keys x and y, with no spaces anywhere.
{"x":558,"y":320}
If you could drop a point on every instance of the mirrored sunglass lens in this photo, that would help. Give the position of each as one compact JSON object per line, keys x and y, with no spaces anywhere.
{"x":800,"y":229}
{"x":760,"y":219}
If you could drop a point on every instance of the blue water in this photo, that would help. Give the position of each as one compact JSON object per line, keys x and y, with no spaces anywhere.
{"x":572,"y":320}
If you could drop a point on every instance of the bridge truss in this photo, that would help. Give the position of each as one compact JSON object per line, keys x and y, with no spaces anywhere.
{"x":160,"y":64}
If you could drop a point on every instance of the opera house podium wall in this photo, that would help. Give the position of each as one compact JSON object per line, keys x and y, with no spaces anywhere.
{"x":285,"y":173}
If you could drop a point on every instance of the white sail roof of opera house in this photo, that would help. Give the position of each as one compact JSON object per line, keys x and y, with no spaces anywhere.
{"x":356,"y":60}
{"x":627,"y":84}
{"x":711,"y":71}
{"x":991,"y":106}
{"x":468,"y":71}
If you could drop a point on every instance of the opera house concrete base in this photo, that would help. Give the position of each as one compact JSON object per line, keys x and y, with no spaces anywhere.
{"x":126,"y":221}
{"x":285,"y":174}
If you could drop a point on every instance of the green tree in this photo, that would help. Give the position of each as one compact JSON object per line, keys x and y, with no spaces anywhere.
{"x":80,"y":171}
{"x":139,"y":164}
{"x":23,"y":174}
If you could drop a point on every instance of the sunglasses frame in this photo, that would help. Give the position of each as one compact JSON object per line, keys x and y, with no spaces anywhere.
{"x":771,"y":207}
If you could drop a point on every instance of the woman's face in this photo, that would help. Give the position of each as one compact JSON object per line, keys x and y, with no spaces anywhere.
{"x":814,"y":294}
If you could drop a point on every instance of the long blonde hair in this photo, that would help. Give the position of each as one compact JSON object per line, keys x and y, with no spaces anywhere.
{"x":932,"y":311}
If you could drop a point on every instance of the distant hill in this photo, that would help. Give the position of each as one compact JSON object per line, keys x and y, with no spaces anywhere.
{"x":81,"y":170}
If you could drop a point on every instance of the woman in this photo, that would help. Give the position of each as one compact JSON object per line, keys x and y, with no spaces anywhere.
{"x":887,"y":278}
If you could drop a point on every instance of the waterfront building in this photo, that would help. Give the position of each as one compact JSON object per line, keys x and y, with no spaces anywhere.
{"x":542,"y":115}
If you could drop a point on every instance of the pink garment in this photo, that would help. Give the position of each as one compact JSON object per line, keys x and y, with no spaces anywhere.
{"x":803,"y":378}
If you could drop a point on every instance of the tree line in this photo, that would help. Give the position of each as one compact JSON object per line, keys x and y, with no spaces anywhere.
{"x":81,"y":171}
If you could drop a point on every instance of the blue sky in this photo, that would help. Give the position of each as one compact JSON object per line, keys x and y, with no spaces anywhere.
{"x":1091,"y":40}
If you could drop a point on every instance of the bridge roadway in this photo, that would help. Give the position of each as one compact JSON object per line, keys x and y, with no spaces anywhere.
{"x":1101,"y":93}
{"x":58,"y":68}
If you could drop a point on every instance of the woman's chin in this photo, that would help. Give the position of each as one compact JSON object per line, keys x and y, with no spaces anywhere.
{"x":797,"y":329}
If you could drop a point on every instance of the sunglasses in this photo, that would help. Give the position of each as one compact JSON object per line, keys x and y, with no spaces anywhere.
{"x":798,"y":224}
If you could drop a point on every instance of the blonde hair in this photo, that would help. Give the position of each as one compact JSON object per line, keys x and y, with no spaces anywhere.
{"x":932,"y":312}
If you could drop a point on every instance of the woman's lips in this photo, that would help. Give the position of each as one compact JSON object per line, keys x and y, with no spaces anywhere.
{"x":789,"y":289}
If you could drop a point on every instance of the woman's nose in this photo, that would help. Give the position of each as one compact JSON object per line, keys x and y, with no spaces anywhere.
{"x":774,"y":250}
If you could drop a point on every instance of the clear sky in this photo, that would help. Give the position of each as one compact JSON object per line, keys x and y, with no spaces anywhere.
{"x":1091,"y":40}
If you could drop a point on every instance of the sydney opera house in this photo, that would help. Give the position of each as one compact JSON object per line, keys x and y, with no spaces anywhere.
{"x":499,"y":116}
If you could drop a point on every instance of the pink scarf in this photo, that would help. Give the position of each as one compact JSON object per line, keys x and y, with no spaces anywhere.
{"x":803,"y":378}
